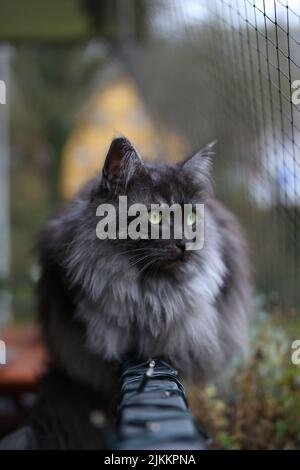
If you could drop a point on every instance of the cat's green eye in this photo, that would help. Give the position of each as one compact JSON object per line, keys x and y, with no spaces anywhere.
{"x":191,"y":218}
{"x":154,"y":217}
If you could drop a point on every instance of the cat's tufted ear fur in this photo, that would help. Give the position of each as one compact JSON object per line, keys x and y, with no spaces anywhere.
{"x":121,"y":163}
{"x":200,"y":164}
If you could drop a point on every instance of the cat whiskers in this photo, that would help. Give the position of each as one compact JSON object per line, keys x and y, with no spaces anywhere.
{"x":147,"y":265}
{"x":137,"y":261}
{"x":131,"y":250}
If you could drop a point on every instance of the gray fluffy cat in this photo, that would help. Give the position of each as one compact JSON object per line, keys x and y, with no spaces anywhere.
{"x":102,"y":302}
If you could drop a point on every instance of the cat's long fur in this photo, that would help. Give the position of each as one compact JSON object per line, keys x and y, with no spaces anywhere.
{"x":95,"y":307}
{"x":99,"y":304}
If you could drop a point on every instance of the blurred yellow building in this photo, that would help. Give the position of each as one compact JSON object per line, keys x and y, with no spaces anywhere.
{"x":114,"y":109}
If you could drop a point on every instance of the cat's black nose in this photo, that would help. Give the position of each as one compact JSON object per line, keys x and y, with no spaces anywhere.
{"x":181,"y":244}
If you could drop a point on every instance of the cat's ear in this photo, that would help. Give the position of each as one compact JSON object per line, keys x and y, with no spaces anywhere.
{"x":199,"y":165}
{"x":121,"y":163}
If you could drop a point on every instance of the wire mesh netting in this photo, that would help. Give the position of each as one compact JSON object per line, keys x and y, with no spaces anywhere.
{"x":230,"y":70}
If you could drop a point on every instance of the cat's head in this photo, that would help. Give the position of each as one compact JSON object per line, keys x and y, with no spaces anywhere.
{"x":184,"y":186}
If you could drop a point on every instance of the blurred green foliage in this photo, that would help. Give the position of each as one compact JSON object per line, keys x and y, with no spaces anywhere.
{"x":258,"y":406}
{"x":40,"y":20}
{"x":48,"y":87}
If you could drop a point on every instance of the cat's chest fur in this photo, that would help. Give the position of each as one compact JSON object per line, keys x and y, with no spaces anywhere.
{"x":150,"y":318}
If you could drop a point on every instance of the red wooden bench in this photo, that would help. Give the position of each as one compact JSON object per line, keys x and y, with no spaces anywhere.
{"x":26,"y":357}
